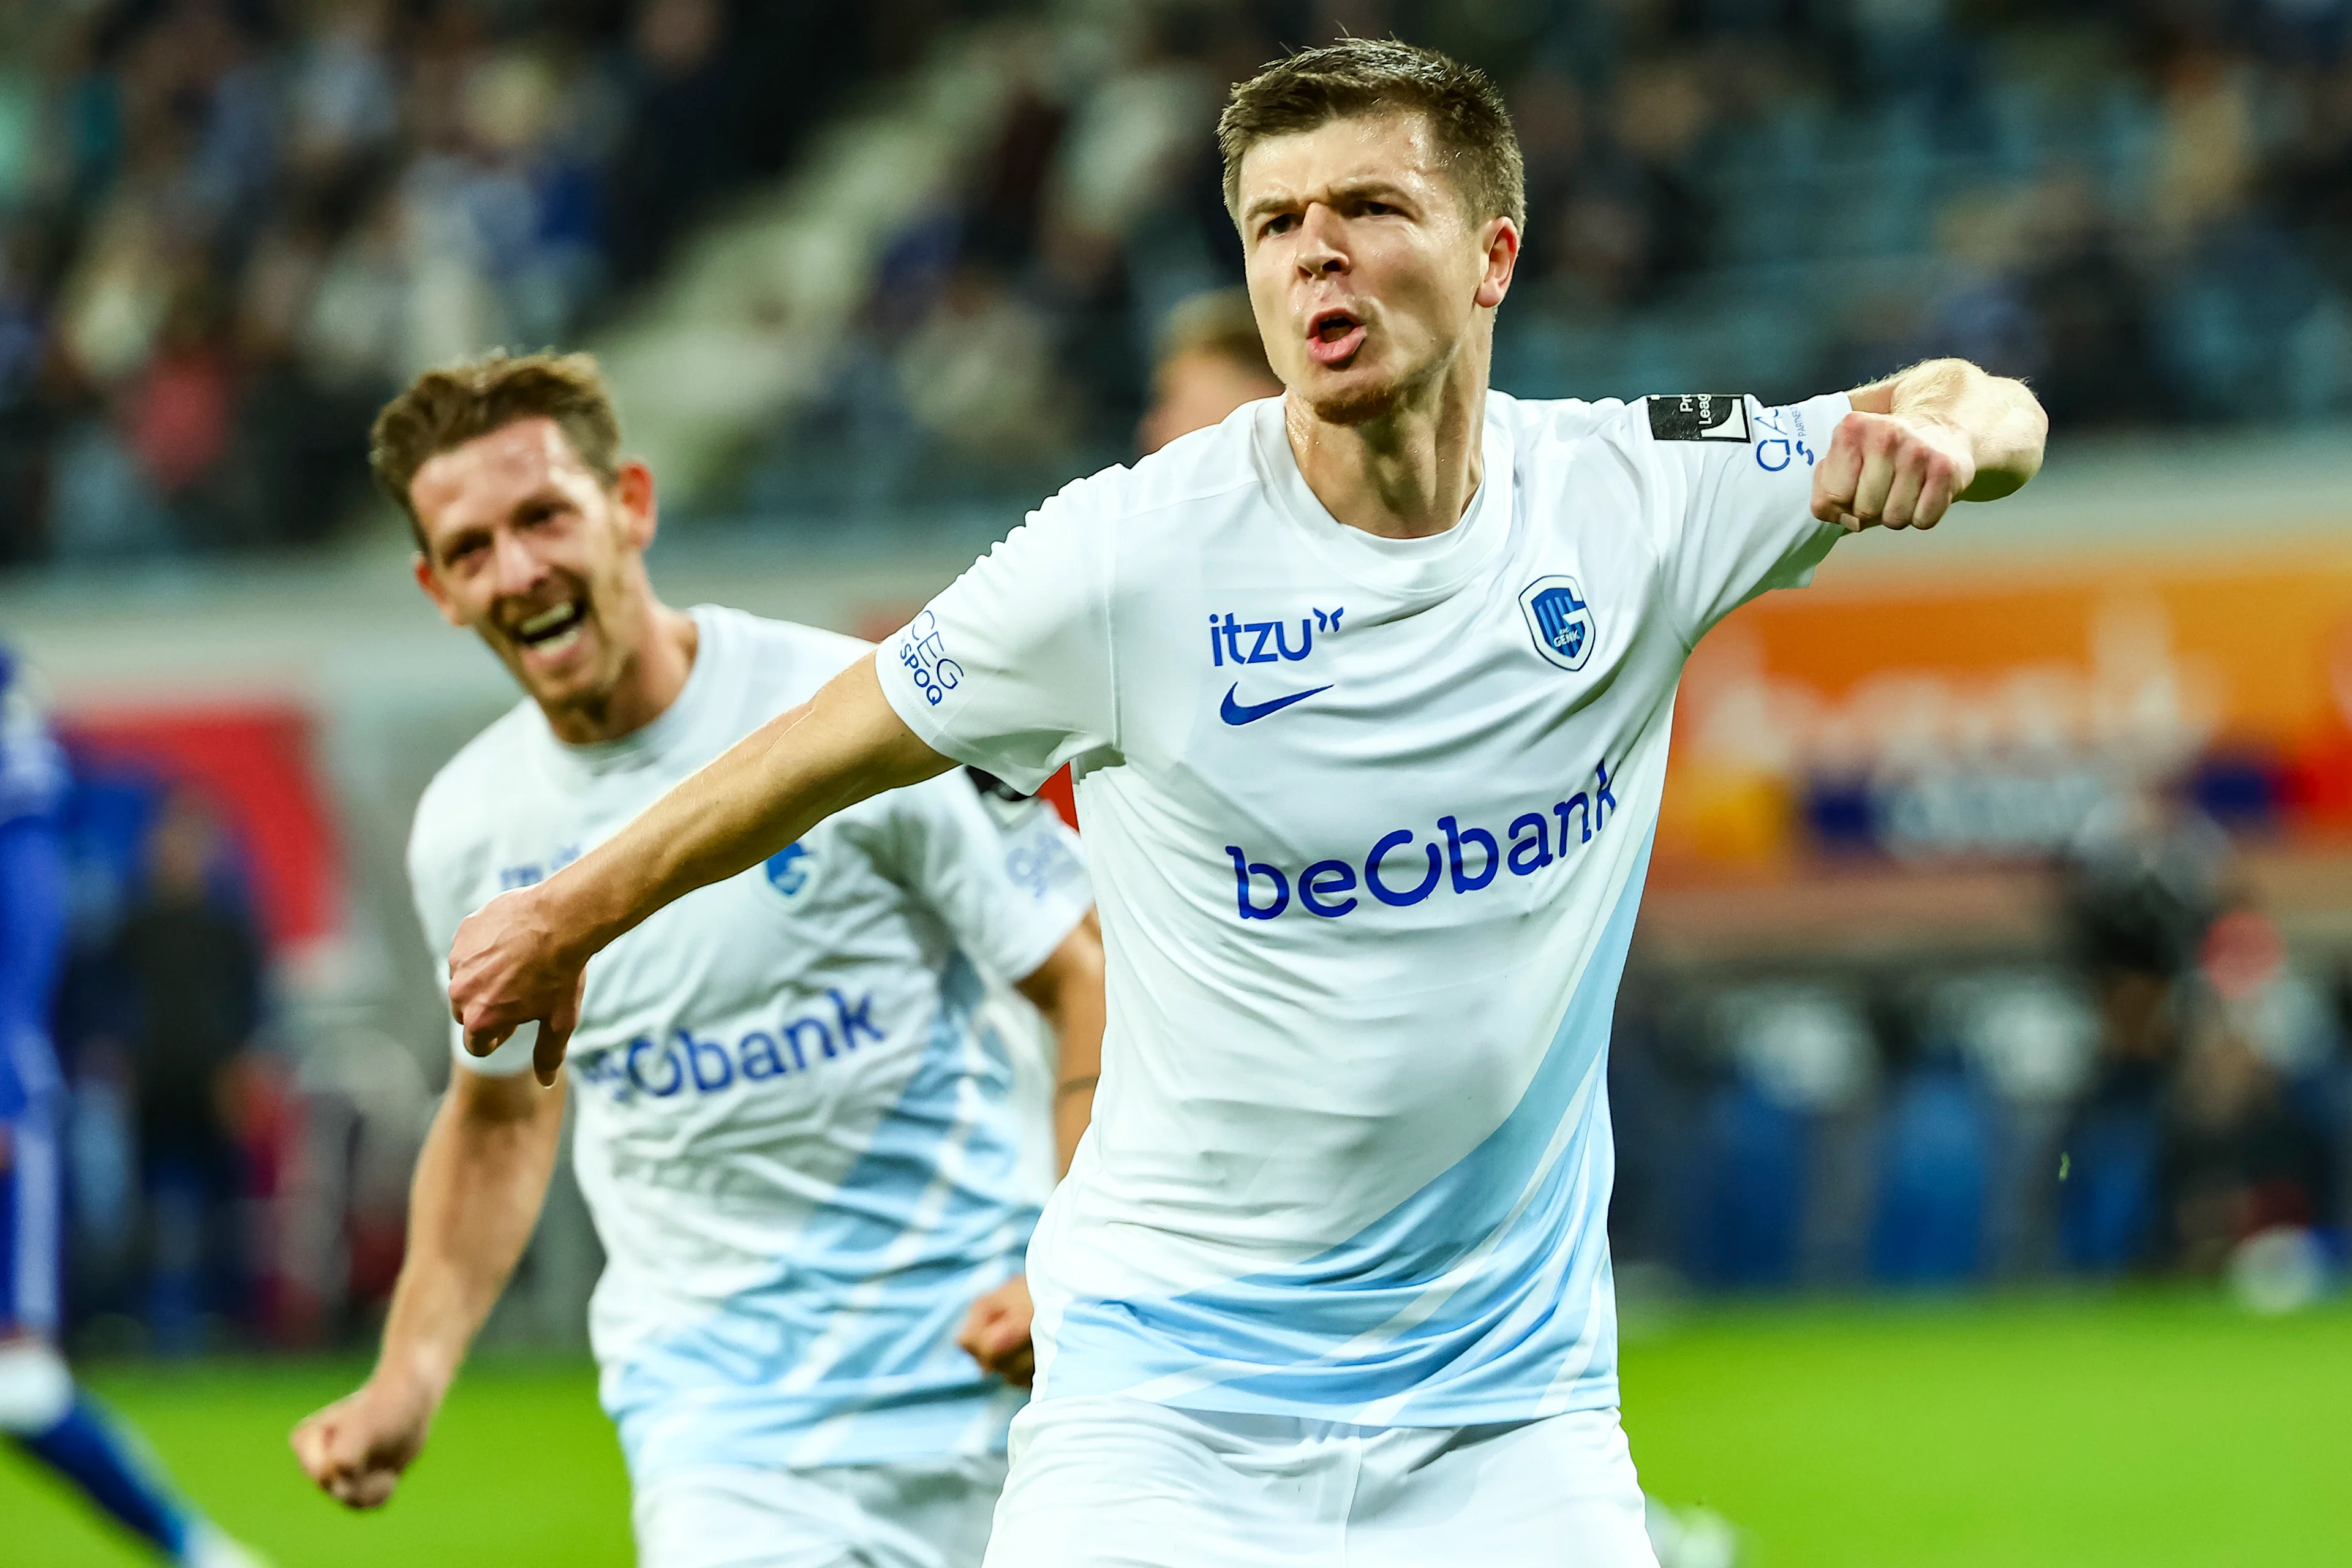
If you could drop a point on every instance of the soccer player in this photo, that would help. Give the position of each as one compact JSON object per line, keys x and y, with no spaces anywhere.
{"x":42,"y":1411}
{"x":1210,"y":362}
{"x":797,"y":1147}
{"x":1367,"y":692}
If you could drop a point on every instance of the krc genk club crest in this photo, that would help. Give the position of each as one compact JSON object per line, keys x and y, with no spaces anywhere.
{"x":1561,"y":620}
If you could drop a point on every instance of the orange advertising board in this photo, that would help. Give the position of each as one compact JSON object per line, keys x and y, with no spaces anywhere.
{"x":1989,"y":712}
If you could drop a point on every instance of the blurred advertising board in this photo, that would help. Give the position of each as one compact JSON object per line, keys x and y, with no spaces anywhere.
{"x":253,"y":766}
{"x":1957,"y":725}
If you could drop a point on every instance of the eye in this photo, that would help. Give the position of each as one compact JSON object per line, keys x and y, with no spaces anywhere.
{"x":1377,"y":209}
{"x":1282,"y":223}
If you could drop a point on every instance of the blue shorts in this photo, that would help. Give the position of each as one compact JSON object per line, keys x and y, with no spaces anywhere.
{"x":32,"y":1214}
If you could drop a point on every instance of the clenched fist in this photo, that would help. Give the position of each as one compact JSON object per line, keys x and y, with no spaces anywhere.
{"x":1886,"y":470}
{"x":995,"y":1333}
{"x":358,"y":1448}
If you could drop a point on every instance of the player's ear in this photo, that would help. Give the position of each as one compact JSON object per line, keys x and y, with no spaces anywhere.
{"x":633,"y":488}
{"x":1502,"y":247}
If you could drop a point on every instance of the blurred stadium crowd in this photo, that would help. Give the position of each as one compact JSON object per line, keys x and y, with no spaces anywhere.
{"x":2141,"y":206}
{"x":229,"y":229}
{"x":2171,"y":1093}
{"x":227,"y":226}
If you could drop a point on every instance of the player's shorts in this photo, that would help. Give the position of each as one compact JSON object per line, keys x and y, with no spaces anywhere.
{"x":837,"y":1516}
{"x":1122,"y":1483}
{"x":32,"y":1210}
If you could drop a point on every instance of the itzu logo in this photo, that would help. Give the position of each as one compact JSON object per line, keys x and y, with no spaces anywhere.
{"x":1233,"y":640}
{"x":1561,"y":620}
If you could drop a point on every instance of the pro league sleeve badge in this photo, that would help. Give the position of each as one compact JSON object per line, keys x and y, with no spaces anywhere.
{"x":1695,"y":417}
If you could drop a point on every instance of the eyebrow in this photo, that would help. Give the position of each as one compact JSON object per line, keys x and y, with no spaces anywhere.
{"x":1377,"y":190}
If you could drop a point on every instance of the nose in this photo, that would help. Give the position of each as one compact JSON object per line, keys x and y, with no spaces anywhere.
{"x":519,"y":567}
{"x":1320,"y":253}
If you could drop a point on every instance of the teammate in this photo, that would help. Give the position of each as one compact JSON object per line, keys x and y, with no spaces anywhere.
{"x":1367,"y":692}
{"x":797,"y":1148}
{"x":1210,"y":363}
{"x":41,"y":1410}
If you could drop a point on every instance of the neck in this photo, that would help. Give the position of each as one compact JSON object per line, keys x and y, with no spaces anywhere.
{"x":650,"y":682}
{"x":1411,"y":469}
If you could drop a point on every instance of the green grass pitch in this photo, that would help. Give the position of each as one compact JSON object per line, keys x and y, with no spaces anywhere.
{"x":2084,"y":1432}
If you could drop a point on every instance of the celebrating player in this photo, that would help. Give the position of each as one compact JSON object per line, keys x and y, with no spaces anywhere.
{"x":41,"y":1408}
{"x":1368,"y":691}
{"x":796,"y":1145}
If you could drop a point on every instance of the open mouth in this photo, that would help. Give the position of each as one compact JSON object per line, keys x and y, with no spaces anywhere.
{"x":1334,"y":336}
{"x":552,"y":631}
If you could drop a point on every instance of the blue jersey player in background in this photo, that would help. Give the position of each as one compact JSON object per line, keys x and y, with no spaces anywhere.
{"x":42,"y":1411}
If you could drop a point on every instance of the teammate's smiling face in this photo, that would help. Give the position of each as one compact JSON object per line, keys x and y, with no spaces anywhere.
{"x":525,"y":544}
{"x":1369,"y":276}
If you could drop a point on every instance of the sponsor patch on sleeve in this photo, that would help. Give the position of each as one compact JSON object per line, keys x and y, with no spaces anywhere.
{"x":1696,"y":416}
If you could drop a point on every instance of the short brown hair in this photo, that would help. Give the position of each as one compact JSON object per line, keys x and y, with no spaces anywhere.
{"x":449,"y":405}
{"x":1360,"y":78}
{"x":1218,"y":322}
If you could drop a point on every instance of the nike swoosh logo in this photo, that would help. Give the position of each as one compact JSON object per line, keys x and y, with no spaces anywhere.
{"x":1234,"y":712}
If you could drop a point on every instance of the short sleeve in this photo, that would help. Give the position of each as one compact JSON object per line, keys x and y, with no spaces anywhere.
{"x":1009,"y":669}
{"x":1007,"y":879}
{"x":1744,"y":521}
{"x":438,"y":879}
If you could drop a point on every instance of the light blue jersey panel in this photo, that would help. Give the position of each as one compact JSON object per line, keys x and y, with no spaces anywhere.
{"x":846,"y":1354}
{"x":1484,"y":1295}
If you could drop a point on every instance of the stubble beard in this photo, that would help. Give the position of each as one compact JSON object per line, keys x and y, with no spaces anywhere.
{"x":1361,"y":403}
{"x":1370,"y":402}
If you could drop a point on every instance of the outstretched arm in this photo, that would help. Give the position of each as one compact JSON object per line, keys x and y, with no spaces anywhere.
{"x":1940,"y":432}
{"x":523,"y":956}
{"x":479,"y":1183}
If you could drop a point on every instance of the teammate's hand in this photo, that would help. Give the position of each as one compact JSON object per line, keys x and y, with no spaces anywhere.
{"x":1885,"y":470}
{"x":996,"y":1332}
{"x":357,"y":1447}
{"x":507,"y":968}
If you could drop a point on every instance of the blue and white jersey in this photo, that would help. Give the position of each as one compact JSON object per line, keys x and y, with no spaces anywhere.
{"x":1367,"y":820}
{"x":798,"y":1148}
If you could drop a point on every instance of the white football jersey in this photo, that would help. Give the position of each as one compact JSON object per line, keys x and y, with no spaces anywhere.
{"x":798,"y":1146}
{"x":1367,"y":821}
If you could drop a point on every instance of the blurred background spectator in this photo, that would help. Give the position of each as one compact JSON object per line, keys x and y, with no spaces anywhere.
{"x":189,"y":963}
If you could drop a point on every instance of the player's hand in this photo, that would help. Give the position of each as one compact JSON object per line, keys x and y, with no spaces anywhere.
{"x":357,"y":1447}
{"x":1885,"y":470}
{"x":996,"y":1332}
{"x":507,"y":968}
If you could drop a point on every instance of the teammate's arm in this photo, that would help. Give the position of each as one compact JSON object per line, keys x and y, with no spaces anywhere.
{"x":525,"y":953}
{"x":479,"y":1184}
{"x":1919,"y":440}
{"x":1067,"y":988}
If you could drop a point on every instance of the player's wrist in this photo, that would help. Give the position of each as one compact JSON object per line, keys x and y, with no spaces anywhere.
{"x":410,"y":1381}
